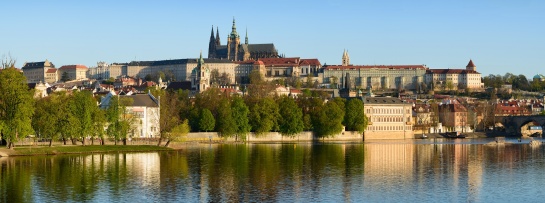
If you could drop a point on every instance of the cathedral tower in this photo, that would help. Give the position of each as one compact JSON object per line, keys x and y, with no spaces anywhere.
{"x":346,"y":58}
{"x":212,"y":45}
{"x":233,"y":42}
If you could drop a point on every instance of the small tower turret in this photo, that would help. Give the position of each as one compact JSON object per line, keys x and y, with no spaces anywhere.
{"x":471,"y":66}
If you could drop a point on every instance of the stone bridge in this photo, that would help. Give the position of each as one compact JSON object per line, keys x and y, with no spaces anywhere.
{"x":513,"y":124}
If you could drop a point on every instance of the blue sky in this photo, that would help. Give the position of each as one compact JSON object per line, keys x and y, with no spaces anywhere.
{"x":500,"y":36}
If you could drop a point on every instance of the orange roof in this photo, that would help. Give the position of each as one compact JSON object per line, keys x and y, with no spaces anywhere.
{"x":73,"y":67}
{"x":51,"y":70}
{"x":335,"y":67}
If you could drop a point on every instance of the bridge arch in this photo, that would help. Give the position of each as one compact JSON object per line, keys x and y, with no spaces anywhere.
{"x":514,"y":124}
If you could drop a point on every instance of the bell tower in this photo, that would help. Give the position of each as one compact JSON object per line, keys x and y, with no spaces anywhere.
{"x":233,"y":42}
{"x":346,"y":58}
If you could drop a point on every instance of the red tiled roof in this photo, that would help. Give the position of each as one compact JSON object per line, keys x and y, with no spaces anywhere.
{"x":296,"y":91}
{"x":51,"y":70}
{"x":73,"y":67}
{"x":334,"y":67}
{"x":280,"y":61}
{"x":511,"y":110}
{"x":470,"y":64}
{"x":312,"y":62}
{"x":451,"y":71}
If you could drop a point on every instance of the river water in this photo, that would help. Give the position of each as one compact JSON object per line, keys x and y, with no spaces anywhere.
{"x":396,"y":171}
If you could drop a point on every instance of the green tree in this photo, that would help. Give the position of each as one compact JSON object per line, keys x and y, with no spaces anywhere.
{"x":225,"y":124}
{"x":354,"y":118}
{"x":16,"y":105}
{"x":206,"y":121}
{"x":99,"y":121}
{"x":177,"y":132}
{"x":240,"y":115}
{"x":65,"y":77}
{"x":169,"y":115}
{"x":82,"y":106}
{"x":291,"y":122}
{"x":328,"y":120}
{"x":119,"y":121}
{"x":48,"y":115}
{"x":264,"y":116}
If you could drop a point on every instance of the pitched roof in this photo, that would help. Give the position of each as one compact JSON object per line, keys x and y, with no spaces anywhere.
{"x":67,"y":67}
{"x":382,"y":100}
{"x":453,"y":107}
{"x":51,"y":70}
{"x":41,"y":64}
{"x":340,"y":67}
{"x":143,"y":100}
{"x":450,"y":71}
{"x":312,"y":62}
{"x":470,"y":64}
{"x":259,"y":47}
{"x":294,"y":61}
{"x":184,"y":85}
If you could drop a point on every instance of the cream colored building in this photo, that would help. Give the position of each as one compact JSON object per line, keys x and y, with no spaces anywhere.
{"x":458,"y":78}
{"x":74,"y":72}
{"x":388,"y":118}
{"x":36,"y":72}
{"x":145,"y":110}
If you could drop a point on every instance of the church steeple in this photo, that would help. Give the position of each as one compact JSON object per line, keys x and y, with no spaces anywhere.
{"x":234,"y":33}
{"x":346,"y":58}
{"x":246,"y":39}
{"x":212,"y":45}
{"x":218,"y":43}
{"x":233,"y":43}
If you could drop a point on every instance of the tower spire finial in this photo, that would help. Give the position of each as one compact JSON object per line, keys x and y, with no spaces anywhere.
{"x":246,"y":40}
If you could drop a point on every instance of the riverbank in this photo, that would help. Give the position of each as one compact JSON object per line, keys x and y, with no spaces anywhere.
{"x":78,"y":149}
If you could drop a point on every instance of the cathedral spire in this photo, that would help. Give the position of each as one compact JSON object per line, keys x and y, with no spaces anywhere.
{"x":218,"y":43}
{"x":201,"y":60}
{"x":246,"y":40}
{"x":212,"y":45}
{"x":234,"y":33}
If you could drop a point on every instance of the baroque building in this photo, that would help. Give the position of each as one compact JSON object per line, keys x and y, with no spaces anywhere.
{"x":235,"y":51}
{"x":388,"y":118}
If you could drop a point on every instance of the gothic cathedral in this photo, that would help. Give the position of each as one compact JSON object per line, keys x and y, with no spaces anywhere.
{"x":235,"y":51}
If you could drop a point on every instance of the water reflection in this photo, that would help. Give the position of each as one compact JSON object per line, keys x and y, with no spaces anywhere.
{"x":374,"y":172}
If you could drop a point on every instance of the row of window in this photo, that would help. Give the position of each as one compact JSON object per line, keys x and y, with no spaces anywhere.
{"x":386,"y":111}
{"x":389,"y":128}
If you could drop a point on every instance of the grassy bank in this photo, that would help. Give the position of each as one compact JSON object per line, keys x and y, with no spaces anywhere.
{"x":26,"y":151}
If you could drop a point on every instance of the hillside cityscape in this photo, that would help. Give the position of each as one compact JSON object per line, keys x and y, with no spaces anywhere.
{"x":272,"y":101}
{"x":270,"y":92}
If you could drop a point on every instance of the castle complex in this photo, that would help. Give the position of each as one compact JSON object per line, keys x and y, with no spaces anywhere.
{"x":236,"y":60}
